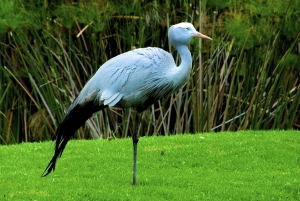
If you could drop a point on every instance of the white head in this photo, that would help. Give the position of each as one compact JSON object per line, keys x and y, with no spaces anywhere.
{"x":182,"y":33}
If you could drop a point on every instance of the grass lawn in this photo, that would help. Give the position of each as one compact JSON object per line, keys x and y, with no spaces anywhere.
{"x":251,"y":165}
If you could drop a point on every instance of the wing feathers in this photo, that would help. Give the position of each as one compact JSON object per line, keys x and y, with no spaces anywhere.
{"x":112,"y":100}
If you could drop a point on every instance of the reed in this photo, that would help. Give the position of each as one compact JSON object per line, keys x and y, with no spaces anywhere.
{"x":246,"y":78}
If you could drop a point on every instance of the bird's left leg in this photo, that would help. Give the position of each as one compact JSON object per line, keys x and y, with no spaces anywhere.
{"x":135,"y":140}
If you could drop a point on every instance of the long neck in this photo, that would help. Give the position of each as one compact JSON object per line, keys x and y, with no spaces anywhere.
{"x":186,"y":58}
{"x":182,"y":72}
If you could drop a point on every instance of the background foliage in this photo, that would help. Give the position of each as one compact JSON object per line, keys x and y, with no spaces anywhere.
{"x":246,"y":78}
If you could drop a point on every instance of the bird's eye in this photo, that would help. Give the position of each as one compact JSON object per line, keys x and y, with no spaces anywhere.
{"x":187,"y":29}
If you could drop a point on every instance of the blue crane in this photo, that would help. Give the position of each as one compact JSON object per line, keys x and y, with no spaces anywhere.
{"x":135,"y":79}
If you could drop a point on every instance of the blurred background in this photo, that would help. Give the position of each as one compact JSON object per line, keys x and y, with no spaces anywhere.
{"x":247,"y":78}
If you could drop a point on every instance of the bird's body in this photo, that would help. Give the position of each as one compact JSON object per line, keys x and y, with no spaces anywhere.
{"x":134,"y":79}
{"x":139,"y":83}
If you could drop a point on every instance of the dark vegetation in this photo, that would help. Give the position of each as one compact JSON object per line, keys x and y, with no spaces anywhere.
{"x":247,"y":78}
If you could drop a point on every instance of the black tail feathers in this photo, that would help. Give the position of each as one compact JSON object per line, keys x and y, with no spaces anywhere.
{"x":73,"y":120}
{"x":62,"y":139}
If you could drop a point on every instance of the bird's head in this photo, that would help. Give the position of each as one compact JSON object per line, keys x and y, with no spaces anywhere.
{"x":182,"y":33}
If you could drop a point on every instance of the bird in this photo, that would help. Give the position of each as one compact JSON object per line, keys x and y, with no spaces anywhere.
{"x":134,"y":79}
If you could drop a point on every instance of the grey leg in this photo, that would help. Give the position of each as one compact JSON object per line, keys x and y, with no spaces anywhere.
{"x":135,"y":140}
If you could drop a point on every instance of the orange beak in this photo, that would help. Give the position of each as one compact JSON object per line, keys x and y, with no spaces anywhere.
{"x":200,"y":35}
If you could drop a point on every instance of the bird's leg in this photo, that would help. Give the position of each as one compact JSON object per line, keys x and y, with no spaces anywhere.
{"x":135,"y":140}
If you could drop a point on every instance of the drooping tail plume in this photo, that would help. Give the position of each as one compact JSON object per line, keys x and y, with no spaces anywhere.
{"x":74,"y":119}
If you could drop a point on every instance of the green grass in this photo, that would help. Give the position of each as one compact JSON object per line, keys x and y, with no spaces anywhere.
{"x":250,"y":165}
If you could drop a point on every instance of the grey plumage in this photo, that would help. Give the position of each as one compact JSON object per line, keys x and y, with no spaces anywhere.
{"x":134,"y":79}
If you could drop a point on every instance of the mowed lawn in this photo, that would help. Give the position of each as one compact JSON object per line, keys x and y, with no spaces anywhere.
{"x":250,"y":165}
